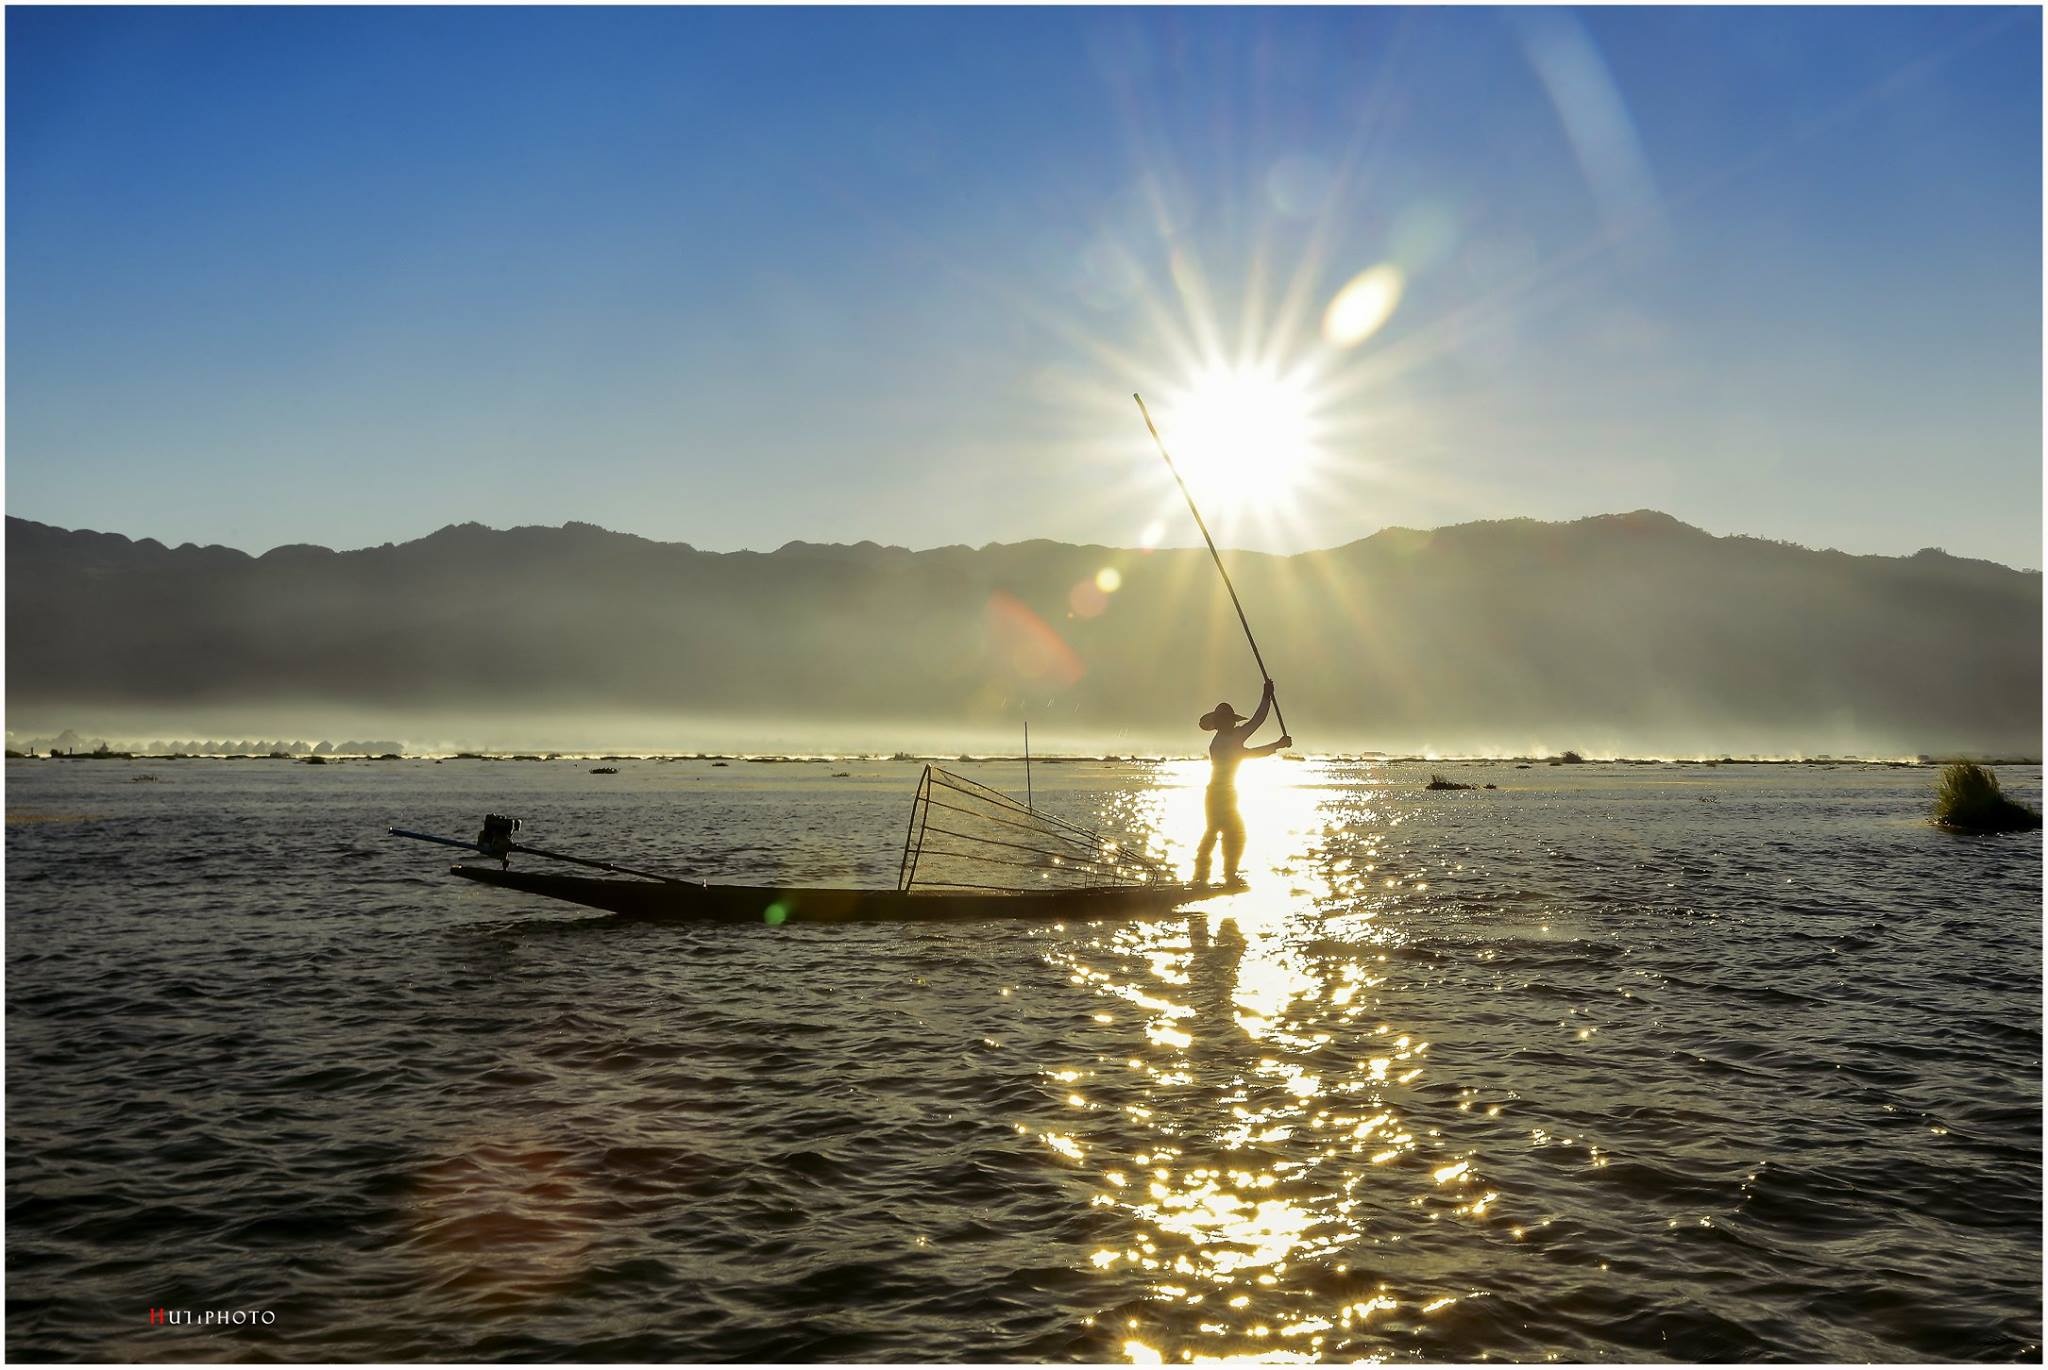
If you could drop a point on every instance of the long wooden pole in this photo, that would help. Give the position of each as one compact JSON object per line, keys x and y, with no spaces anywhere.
{"x":612,"y":866}
{"x":1235,"y":602}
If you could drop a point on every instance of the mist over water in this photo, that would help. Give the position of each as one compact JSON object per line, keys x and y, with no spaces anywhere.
{"x":1608,"y":1063}
{"x":496,"y":730}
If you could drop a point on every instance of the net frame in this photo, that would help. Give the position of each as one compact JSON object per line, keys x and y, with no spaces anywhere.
{"x":1064,"y":855}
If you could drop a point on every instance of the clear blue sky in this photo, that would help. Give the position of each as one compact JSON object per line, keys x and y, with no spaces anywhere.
{"x":739,"y":277}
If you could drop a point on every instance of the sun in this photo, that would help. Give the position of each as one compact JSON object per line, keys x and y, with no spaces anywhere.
{"x":1244,"y":434}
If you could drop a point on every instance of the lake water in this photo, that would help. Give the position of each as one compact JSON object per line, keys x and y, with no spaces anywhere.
{"x":1609,"y":1063}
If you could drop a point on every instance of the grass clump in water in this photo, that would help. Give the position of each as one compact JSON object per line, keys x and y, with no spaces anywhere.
{"x":1969,"y":800}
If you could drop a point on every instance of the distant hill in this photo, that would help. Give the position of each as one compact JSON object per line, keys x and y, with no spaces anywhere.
{"x":1632,"y":632}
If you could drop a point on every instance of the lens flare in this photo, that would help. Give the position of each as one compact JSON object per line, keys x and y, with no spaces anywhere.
{"x":1026,"y":646}
{"x":1363,"y":306}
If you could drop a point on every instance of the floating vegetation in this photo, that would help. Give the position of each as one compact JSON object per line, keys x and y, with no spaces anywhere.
{"x":1969,"y":800}
{"x":1437,"y":782}
{"x":604,"y":770}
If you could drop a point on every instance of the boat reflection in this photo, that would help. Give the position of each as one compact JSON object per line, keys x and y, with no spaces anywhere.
{"x":1253,"y":1150}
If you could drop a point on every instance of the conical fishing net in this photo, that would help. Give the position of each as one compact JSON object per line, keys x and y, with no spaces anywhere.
{"x":966,"y":836}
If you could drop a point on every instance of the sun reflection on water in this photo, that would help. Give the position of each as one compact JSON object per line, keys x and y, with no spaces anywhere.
{"x":1251,"y":1143}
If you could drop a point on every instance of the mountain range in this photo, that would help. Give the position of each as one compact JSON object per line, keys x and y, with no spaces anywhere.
{"x":1631,"y":633}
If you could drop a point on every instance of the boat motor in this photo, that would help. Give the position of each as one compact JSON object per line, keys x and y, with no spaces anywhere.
{"x":496,"y":838}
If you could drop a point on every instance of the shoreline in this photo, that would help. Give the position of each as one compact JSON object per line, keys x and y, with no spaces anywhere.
{"x":1062,"y":759}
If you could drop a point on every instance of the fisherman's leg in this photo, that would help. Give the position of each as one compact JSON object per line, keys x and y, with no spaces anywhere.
{"x":1233,"y":846}
{"x":1202,"y":855}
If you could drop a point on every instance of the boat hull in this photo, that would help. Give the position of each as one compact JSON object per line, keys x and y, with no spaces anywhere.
{"x":686,"y":902}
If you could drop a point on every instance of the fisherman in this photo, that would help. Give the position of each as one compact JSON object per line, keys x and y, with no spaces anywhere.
{"x":1227,"y":750}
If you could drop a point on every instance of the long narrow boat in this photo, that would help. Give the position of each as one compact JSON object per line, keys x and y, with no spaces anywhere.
{"x":969,"y":852}
{"x":686,"y":901}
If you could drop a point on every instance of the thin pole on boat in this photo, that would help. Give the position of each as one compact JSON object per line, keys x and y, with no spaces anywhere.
{"x":598,"y":865}
{"x":522,"y":848}
{"x":1027,"y":767}
{"x":1217,"y":556}
{"x":924,"y":818}
{"x":920,"y":803}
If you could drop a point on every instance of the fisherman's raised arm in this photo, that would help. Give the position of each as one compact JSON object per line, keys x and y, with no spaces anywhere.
{"x":1258,"y":718}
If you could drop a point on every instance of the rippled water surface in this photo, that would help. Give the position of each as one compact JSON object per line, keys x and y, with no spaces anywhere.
{"x":1609,"y":1063}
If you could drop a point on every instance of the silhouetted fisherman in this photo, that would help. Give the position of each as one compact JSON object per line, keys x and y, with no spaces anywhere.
{"x":1228,"y":750}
